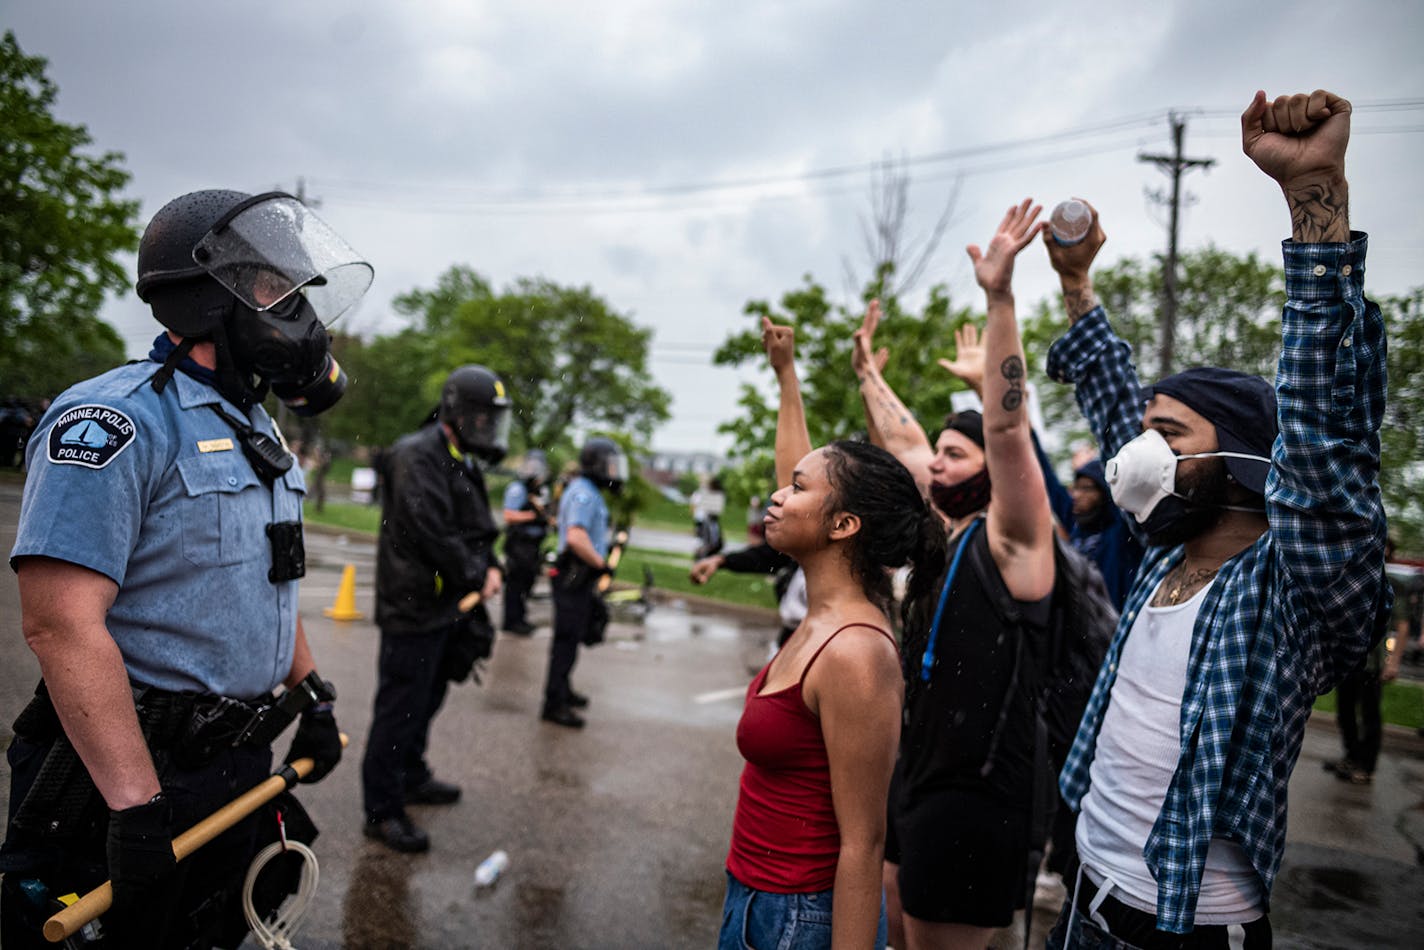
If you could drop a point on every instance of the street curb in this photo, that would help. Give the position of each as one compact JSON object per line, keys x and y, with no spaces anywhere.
{"x":1394,"y":738}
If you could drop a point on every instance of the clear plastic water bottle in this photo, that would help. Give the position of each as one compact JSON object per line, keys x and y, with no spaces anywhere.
{"x":491,"y":868}
{"x":1070,"y":221}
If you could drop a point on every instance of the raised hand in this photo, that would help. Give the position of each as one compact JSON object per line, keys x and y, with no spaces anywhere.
{"x":994,"y":268}
{"x":1073,"y":261}
{"x":780,"y":345}
{"x":968,"y":362}
{"x":863,"y":354}
{"x":1297,"y":139}
{"x":1300,"y":142}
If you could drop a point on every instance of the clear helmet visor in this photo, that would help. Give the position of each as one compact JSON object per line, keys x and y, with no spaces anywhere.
{"x":617,"y":467}
{"x":273,"y":246}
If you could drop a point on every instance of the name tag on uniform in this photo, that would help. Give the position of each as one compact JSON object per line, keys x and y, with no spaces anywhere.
{"x":215,"y":445}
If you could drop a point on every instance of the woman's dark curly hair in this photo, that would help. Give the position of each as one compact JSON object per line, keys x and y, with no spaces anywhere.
{"x":896,"y":524}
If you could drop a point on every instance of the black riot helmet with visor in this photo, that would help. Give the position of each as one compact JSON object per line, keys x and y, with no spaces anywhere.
{"x":602,"y":462}
{"x":260,"y":276}
{"x":474,"y":404}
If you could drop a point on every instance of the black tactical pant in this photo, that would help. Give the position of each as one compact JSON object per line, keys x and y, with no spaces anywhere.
{"x":521,"y":562}
{"x":409,"y":692}
{"x":200,"y":907}
{"x":573,"y":610}
{"x":1357,"y":703}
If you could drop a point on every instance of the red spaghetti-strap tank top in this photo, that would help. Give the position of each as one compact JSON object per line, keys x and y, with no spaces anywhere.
{"x":784,"y":837}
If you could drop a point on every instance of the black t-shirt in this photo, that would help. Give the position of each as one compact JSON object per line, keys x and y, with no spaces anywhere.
{"x":949,"y":721}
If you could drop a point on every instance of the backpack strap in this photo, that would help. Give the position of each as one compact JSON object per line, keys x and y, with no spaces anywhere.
{"x":928,"y":660}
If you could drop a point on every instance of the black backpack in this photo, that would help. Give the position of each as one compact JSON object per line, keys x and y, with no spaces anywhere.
{"x":1082,"y":621}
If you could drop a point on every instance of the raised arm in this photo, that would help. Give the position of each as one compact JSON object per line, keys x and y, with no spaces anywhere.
{"x":891,"y":424}
{"x":968,"y":366}
{"x":793,"y":440}
{"x":1020,"y":525}
{"x":1322,"y":493}
{"x":1090,"y":355}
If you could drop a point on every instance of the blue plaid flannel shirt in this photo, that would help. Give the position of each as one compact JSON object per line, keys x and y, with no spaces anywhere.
{"x":1287,"y":617}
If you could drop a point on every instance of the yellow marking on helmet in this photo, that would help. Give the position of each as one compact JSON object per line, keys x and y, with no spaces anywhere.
{"x":499,"y":389}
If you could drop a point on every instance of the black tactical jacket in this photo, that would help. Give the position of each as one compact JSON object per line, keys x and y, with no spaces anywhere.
{"x":437,"y":534}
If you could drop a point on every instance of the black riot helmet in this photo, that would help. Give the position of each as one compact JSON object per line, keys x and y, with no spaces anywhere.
{"x":602,"y":462}
{"x":474,"y":405}
{"x":260,"y":276}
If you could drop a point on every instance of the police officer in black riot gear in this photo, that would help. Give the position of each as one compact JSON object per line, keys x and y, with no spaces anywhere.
{"x":162,"y":606}
{"x":584,"y":541}
{"x":526,"y":522}
{"x":436,"y":549}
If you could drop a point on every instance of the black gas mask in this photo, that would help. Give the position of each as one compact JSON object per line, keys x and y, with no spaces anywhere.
{"x":287,"y":348}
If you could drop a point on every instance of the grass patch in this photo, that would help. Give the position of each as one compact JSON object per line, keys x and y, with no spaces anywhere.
{"x":669,"y":570}
{"x":1401,"y":704}
{"x":670,"y":574}
{"x":340,"y":514}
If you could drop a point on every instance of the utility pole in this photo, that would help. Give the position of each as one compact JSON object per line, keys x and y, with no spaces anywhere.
{"x":1174,"y":165}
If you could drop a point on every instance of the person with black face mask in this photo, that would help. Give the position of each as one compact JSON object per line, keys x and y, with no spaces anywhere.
{"x":961,"y":805}
{"x":1263,"y":584}
{"x":435,"y":550}
{"x":158,"y":552}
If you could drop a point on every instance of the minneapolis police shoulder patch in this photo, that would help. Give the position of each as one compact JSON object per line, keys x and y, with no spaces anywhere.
{"x":91,"y":436}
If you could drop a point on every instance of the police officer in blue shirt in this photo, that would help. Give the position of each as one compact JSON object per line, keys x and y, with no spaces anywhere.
{"x":157,"y":552}
{"x":526,"y":522}
{"x":579,"y":613}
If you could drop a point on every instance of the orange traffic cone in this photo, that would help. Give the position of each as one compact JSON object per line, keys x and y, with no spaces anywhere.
{"x":345,"y":606}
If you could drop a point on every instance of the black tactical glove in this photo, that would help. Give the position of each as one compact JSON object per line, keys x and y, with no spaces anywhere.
{"x":140,"y":852}
{"x":318,"y":739}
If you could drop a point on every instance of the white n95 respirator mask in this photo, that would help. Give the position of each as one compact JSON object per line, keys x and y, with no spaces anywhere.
{"x":1144,"y":472}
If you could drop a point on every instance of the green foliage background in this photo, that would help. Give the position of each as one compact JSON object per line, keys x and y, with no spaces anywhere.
{"x":62,"y":227}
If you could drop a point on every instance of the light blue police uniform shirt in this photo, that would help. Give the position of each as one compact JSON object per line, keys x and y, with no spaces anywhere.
{"x":152,"y":490}
{"x":583,"y":505}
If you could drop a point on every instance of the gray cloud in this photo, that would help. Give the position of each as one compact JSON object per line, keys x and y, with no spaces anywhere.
{"x":409,"y":119}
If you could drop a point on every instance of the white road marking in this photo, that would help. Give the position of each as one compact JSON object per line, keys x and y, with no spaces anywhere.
{"x":719,"y":695}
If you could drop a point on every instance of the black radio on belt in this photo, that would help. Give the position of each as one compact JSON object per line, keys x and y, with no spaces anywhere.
{"x":289,"y":553}
{"x":272,"y":718}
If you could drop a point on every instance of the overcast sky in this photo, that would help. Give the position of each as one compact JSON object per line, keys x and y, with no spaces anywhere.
{"x":559,"y":139}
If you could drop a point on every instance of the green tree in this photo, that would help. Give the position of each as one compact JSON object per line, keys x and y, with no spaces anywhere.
{"x":1228,"y":314}
{"x":1402,"y":434}
{"x":570,"y":360}
{"x":393,"y":382}
{"x":829,"y":387}
{"x":62,"y":226}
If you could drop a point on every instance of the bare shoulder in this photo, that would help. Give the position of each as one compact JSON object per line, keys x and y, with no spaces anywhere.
{"x":861,"y":658}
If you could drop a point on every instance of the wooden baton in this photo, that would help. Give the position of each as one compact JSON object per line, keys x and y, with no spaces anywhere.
{"x":614,"y":556}
{"x":98,"y":901}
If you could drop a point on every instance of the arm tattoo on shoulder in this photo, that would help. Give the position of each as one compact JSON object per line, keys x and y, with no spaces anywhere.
{"x":1012,"y":370}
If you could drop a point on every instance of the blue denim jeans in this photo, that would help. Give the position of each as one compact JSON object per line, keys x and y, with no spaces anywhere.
{"x":761,"y":920}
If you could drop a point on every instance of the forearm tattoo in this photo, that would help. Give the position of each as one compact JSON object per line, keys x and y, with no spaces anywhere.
{"x":1079,"y":300}
{"x":1012,"y":370}
{"x":1319,"y":213}
{"x":884,"y":399}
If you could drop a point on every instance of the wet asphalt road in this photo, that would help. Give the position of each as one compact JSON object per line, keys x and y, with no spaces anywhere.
{"x":617,"y":834}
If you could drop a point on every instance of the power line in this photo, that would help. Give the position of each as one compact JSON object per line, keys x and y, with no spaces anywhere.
{"x":488,"y":200}
{"x":662,"y":206}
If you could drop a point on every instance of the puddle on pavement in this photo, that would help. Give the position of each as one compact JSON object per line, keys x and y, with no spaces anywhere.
{"x":377,"y":910}
{"x":1325,"y":888}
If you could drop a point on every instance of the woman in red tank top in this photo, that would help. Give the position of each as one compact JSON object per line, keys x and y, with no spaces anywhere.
{"x":822,"y":721}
